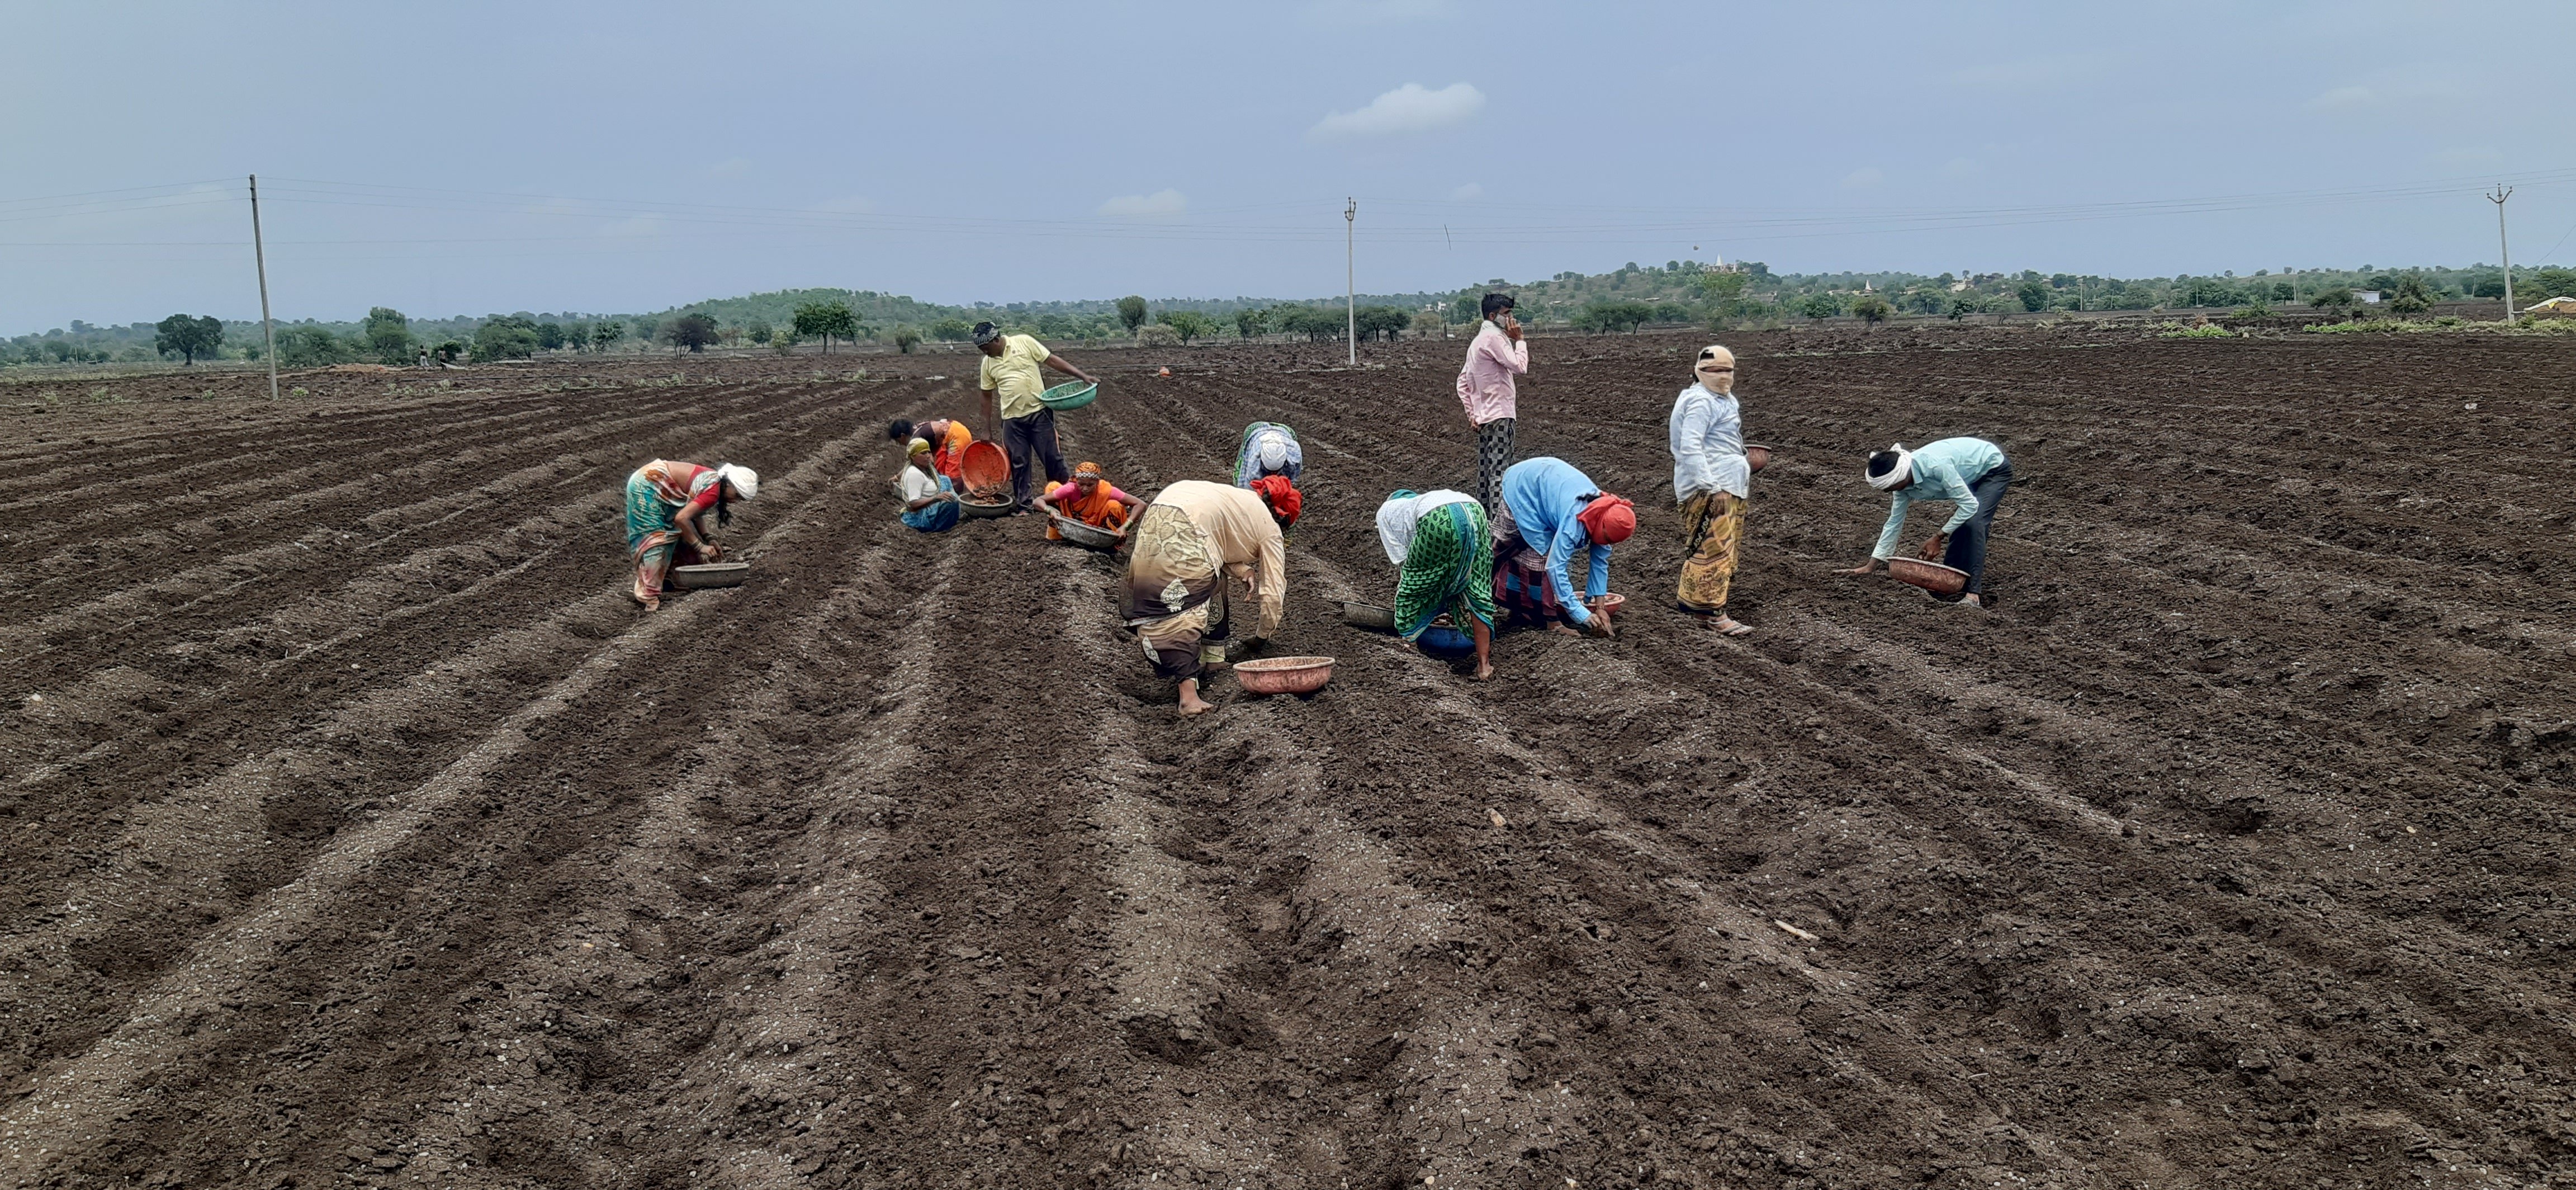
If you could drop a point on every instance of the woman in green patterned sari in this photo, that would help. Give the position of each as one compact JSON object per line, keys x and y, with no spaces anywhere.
{"x":1443,"y":551}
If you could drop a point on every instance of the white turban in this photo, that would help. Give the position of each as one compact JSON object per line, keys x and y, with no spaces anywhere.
{"x":1897,"y":476}
{"x":744,"y":480}
{"x":1274,"y":452}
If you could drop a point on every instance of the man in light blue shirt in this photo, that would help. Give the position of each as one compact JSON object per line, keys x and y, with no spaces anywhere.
{"x":1551,"y":510}
{"x":1972,"y":474}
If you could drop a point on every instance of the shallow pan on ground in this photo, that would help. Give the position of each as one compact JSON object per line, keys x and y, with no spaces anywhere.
{"x":1284,"y":675}
{"x":708,"y":575}
{"x":1085,"y":535}
{"x":977,"y":508}
{"x":1931,"y":576}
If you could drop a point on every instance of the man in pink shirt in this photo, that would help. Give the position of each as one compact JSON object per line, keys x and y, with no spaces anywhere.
{"x":1485,"y":388}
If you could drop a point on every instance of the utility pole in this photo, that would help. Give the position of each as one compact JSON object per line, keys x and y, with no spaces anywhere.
{"x":259,"y":252}
{"x":1350,"y":278}
{"x":2503,"y":192}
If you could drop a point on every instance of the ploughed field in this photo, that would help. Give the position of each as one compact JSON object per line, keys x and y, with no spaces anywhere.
{"x":356,"y":829}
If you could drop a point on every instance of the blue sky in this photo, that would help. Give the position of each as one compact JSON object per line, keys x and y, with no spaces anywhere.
{"x":472,"y":157}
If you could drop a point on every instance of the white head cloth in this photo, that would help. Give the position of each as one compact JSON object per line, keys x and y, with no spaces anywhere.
{"x":744,"y":479}
{"x":1898,"y":475}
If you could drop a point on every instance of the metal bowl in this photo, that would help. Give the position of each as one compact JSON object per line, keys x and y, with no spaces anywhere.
{"x":706,"y":575}
{"x":1757,"y":455}
{"x":1368,"y":615}
{"x":1608,"y":604}
{"x":1931,"y":576}
{"x":1085,"y":535}
{"x":967,"y":506}
{"x":1284,"y":675}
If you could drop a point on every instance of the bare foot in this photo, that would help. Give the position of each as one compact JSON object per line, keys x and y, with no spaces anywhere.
{"x":1730,"y":626}
{"x":1485,"y":672}
{"x":1560,"y":626}
{"x":1191,"y":703}
{"x":650,"y":605}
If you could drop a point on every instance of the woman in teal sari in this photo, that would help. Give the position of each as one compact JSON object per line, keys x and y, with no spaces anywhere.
{"x":1443,"y":550}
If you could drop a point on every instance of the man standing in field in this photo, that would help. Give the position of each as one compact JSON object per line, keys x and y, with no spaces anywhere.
{"x":1011,"y":374}
{"x":1485,"y":388}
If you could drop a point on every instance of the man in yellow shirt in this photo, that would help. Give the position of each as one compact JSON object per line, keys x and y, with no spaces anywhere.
{"x":1011,"y":373}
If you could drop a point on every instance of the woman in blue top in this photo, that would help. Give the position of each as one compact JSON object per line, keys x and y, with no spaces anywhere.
{"x":1549,"y":510}
{"x":1972,"y":474}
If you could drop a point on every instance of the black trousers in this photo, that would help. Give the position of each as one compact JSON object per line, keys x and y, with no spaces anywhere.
{"x":1035,"y":433}
{"x":1968,"y":542}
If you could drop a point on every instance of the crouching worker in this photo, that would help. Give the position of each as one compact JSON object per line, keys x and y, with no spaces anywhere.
{"x":1187,"y":543}
{"x":666,"y":505}
{"x":1091,"y":500}
{"x":1972,"y":474}
{"x":1443,"y":550}
{"x":1549,"y":511}
{"x":1268,"y":449}
{"x":929,"y":500}
{"x":947,"y":437}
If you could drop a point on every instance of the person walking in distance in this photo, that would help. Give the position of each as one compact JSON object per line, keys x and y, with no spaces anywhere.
{"x":1714,"y":484}
{"x":1485,"y":388}
{"x":1011,"y":375}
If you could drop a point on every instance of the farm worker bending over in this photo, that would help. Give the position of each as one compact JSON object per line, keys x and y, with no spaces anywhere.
{"x":1713,"y":482}
{"x":1972,"y":474}
{"x":929,"y":499}
{"x":1547,"y":502}
{"x":1011,"y":374}
{"x":1443,"y":549}
{"x":1485,"y":388}
{"x":1091,"y":500}
{"x":1188,"y":541}
{"x":666,"y":502}
{"x":947,"y":437}
{"x":1268,"y":449}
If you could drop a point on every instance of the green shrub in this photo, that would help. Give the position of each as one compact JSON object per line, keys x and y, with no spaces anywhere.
{"x":2205,"y":331}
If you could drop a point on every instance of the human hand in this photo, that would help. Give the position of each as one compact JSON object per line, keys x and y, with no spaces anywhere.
{"x":1598,"y":627}
{"x":1511,"y":326}
{"x":1932,"y":550}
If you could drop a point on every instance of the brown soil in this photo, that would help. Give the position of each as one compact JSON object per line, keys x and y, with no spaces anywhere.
{"x":356,"y":830}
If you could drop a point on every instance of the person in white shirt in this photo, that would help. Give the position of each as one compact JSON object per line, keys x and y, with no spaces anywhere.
{"x":929,"y":501}
{"x":1713,"y":483}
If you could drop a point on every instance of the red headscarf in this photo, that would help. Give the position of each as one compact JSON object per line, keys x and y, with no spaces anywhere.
{"x":1608,"y":520}
{"x":1282,"y":497}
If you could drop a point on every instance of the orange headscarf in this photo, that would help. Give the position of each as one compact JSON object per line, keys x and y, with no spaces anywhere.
{"x":1608,"y":520}
{"x":1282,"y":496}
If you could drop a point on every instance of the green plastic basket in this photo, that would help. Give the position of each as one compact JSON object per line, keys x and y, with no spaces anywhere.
{"x":1071,"y":395}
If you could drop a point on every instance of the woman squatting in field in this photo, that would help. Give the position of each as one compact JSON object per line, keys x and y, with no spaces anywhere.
{"x":929,"y":499}
{"x":1090,"y":499}
{"x":1188,"y":542}
{"x":1714,"y":484}
{"x":1972,"y":474}
{"x":1443,"y":549}
{"x":666,"y":501}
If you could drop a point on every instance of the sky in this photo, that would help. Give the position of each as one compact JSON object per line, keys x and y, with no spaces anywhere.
{"x":471,"y":157}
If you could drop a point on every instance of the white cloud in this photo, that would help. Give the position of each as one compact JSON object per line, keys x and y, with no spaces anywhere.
{"x":1161,"y":202}
{"x":1409,"y":108}
{"x":1863,"y":178}
{"x":2341,"y":98}
{"x":1467,"y":193}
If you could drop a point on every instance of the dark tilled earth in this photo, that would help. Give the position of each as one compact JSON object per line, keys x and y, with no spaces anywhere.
{"x":355,"y":830}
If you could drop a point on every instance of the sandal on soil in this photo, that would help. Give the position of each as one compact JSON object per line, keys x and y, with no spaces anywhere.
{"x":1730,"y":626}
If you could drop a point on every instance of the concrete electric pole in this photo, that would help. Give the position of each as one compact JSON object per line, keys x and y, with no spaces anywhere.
{"x":1350,"y":279}
{"x":2503,"y":192}
{"x":259,"y":252}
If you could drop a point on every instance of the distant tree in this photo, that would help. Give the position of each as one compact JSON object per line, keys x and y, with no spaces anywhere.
{"x":1603,"y":314}
{"x":2282,"y":292}
{"x":1188,"y":324}
{"x":576,"y":335}
{"x":1873,"y":309}
{"x":757,"y":332}
{"x":606,"y":334}
{"x":906,"y":338}
{"x":2331,"y":297}
{"x":1671,"y":312}
{"x":1157,"y":335}
{"x":1250,"y":322}
{"x":387,"y":335}
{"x":1131,"y":311}
{"x":312,"y":347}
{"x":2412,"y":296}
{"x":550,"y":335}
{"x":504,"y":336}
{"x":1724,"y":293}
{"x":189,"y":337}
{"x":2033,"y":294}
{"x":952,"y":329}
{"x":693,"y":330}
{"x":1819,"y":305}
{"x":1382,"y":322}
{"x":824,"y":320}
{"x":2543,"y":284}
{"x":1428,"y":324}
